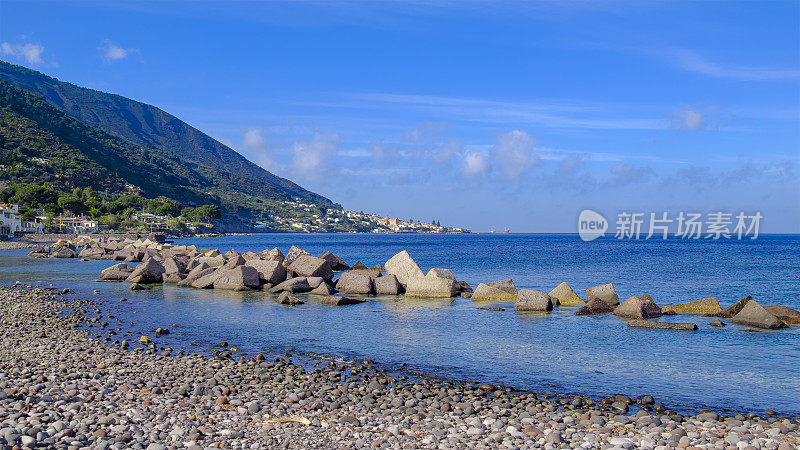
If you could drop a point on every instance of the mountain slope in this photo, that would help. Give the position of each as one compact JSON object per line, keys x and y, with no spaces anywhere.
{"x":151,"y":127}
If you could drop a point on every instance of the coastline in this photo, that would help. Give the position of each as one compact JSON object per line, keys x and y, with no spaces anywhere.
{"x":100,"y":396}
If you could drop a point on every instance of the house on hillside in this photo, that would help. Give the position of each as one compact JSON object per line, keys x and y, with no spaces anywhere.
{"x":10,"y":219}
{"x":77,"y":225}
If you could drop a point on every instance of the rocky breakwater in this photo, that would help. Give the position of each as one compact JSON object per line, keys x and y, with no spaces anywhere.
{"x":62,"y":388}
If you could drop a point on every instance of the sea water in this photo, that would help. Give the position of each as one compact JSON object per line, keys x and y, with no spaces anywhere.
{"x":732,"y":368}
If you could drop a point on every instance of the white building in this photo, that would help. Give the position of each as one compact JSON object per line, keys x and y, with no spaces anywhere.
{"x":10,"y":219}
{"x":78,"y":225}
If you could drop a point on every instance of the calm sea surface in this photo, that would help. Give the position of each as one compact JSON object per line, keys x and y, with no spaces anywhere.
{"x":728,"y":368}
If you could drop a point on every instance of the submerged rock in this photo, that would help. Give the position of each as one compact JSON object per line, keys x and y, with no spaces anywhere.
{"x":787,"y":315}
{"x":638,"y":307}
{"x":661,"y":325}
{"x":498,"y":291}
{"x":756,"y":316}
{"x":337,"y":300}
{"x":565,"y":295}
{"x":288,"y":299}
{"x":533,"y":300}
{"x":604,"y":292}
{"x":717,"y":323}
{"x":708,"y":305}
{"x":594,"y":307}
{"x":734,"y":309}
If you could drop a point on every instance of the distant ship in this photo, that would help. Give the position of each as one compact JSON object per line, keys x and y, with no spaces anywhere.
{"x":500,"y":232}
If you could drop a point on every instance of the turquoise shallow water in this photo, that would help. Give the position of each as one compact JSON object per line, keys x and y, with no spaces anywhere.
{"x":729,"y":368}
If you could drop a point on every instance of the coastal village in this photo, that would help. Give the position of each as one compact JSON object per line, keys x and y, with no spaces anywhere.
{"x":13,"y":223}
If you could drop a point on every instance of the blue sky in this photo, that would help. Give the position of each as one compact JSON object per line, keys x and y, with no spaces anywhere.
{"x":477,"y":114}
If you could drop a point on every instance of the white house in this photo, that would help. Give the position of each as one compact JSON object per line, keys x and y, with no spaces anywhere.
{"x":10,"y":219}
{"x":78,"y":225}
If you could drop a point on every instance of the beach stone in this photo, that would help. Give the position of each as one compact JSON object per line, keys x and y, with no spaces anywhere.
{"x":387,"y":285}
{"x":403,"y":267}
{"x":638,"y":307}
{"x":150,"y":271}
{"x":311,"y":266}
{"x":65,"y":252}
{"x":499,"y":291}
{"x":294,"y":253}
{"x":532,"y":300}
{"x":708,"y":305}
{"x":594,"y":307}
{"x":296,"y":284}
{"x":336,"y":263}
{"x":269,"y":271}
{"x":216,"y":260}
{"x":431,"y":287}
{"x":756,"y":316}
{"x":565,"y":295}
{"x":351,"y":282}
{"x":240,"y":278}
{"x":173,"y":265}
{"x":734,"y":309}
{"x":441,"y":273}
{"x":173,"y":278}
{"x":117,"y":272}
{"x":651,"y":324}
{"x":787,"y":315}
{"x":604,"y":292}
{"x":235,"y":261}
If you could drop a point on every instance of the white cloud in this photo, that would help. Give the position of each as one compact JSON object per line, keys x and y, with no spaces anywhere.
{"x":258,"y":148}
{"x":309,"y":158}
{"x":514,"y":152}
{"x":30,"y":53}
{"x":113,"y":52}
{"x":692,"y":62}
{"x":689,"y":119}
{"x":475,"y":163}
{"x":625,"y":174}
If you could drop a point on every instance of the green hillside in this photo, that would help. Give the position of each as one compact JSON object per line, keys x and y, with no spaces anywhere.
{"x":151,"y":127}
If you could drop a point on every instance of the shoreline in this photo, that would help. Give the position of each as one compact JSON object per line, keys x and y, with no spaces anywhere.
{"x":142,"y":395}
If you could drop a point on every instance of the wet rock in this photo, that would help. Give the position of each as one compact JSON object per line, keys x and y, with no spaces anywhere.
{"x":787,"y":315}
{"x":323,"y":289}
{"x":594,"y":307}
{"x":717,"y":323}
{"x":287,"y":298}
{"x":651,"y":324}
{"x":337,"y":300}
{"x":604,"y":292}
{"x":638,"y":307}
{"x":734,"y":309}
{"x":708,"y":305}
{"x":566,"y":296}
{"x":498,"y":291}
{"x":756,"y":316}
{"x":532,"y":300}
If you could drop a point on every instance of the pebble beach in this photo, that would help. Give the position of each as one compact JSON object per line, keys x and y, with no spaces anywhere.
{"x":64,"y":388}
